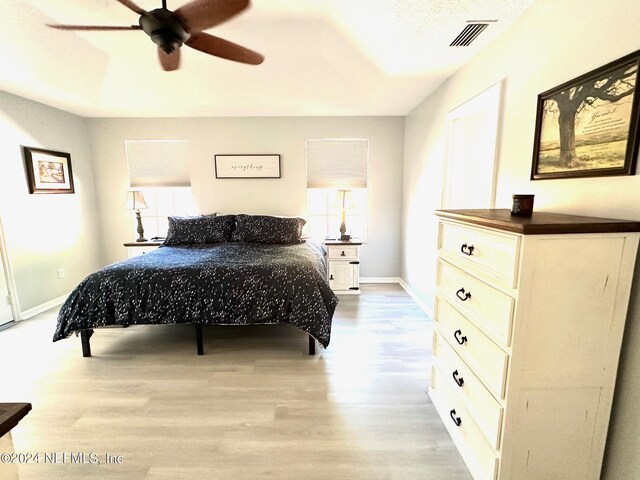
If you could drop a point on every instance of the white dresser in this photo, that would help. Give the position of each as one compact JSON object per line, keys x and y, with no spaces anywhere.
{"x":530,"y":314}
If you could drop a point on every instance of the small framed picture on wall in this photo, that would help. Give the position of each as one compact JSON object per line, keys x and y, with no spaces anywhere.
{"x":48,"y":171}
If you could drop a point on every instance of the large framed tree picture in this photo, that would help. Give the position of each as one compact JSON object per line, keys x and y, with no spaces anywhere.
{"x":588,"y":127}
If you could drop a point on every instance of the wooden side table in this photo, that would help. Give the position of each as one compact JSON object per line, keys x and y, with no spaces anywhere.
{"x":140,"y":248}
{"x":343,"y":266}
{"x":10,"y":415}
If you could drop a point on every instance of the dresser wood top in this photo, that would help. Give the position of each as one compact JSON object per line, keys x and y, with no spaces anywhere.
{"x":540,"y":223}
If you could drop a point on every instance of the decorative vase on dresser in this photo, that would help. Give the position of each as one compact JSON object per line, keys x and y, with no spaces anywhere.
{"x":530,"y":314}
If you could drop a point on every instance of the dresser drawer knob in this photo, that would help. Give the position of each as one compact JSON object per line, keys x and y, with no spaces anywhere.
{"x":459,"y":380}
{"x":456,"y":420}
{"x":461,"y":339}
{"x":462,"y":295}
{"x":467,"y":249}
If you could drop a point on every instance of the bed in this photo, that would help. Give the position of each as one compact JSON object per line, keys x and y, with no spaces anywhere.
{"x":234,"y":280}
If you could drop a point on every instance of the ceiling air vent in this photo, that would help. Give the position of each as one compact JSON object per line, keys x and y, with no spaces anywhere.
{"x":470,"y":33}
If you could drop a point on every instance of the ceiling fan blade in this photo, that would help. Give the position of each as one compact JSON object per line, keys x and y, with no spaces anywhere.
{"x":132,"y":6}
{"x":224,"y":49}
{"x":169,"y":61}
{"x":91,"y":27}
{"x":200,"y":15}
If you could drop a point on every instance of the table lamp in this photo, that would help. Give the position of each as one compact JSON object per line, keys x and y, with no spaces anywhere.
{"x":345,"y":202}
{"x":135,"y":201}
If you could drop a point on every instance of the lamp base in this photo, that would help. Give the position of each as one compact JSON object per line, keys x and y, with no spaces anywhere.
{"x":140,"y":229}
{"x":343,"y":231}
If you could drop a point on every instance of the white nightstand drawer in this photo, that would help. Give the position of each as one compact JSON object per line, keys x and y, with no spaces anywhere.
{"x":494,"y":253}
{"x":135,"y":251}
{"x":343,"y":252}
{"x":484,"y":304}
{"x":466,"y":434}
{"x":489,"y":361}
{"x":484,"y":408}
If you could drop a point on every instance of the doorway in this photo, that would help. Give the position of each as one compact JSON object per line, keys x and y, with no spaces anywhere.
{"x":470,"y":169}
{"x":8,"y":311}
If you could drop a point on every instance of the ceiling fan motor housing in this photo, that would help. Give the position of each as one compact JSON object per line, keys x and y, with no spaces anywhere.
{"x":165,"y":29}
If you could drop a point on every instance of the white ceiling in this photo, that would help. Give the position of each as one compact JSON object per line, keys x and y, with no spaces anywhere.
{"x":323,"y":57}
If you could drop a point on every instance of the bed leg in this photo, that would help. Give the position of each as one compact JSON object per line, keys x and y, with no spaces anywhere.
{"x":199,"y":340}
{"x":312,"y":345}
{"x":85,"y":335}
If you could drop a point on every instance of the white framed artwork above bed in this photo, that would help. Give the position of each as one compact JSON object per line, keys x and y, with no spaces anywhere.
{"x":247,"y":166}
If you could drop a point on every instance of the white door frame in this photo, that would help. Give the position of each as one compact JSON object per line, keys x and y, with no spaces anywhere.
{"x":8,"y":274}
{"x":489,"y":98}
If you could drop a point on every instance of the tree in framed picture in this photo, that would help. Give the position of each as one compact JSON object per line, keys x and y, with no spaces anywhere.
{"x":589,"y":125}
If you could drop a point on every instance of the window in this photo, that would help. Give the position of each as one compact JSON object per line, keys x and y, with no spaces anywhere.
{"x":324,"y":213}
{"x":333,"y":166}
{"x":158,"y":163}
{"x":159,"y":169}
{"x":161,"y":204}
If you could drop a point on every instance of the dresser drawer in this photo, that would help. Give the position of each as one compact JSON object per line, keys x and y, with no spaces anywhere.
{"x":466,"y":434}
{"x":346,"y":252}
{"x":488,"y":361}
{"x":484,"y":409}
{"x":494,"y":253}
{"x":487,"y":306}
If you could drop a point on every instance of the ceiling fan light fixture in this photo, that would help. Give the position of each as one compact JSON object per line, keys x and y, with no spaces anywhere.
{"x":164,"y":28}
{"x":167,"y":42}
{"x":163,"y":22}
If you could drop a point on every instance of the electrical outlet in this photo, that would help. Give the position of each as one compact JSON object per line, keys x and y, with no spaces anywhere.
{"x":60,"y":273}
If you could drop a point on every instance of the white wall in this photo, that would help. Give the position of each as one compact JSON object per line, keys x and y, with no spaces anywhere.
{"x":551,"y":43}
{"x":46,"y":232}
{"x":285,"y":196}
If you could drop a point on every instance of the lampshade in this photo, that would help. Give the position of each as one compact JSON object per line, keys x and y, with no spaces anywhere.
{"x":135,"y":200}
{"x":344,"y":200}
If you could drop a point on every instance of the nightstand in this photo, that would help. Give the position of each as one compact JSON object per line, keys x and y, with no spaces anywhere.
{"x":140,"y":248}
{"x":343,"y":266}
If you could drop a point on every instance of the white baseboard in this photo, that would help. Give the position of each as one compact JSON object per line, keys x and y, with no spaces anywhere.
{"x":380,"y":279}
{"x":32,"y":312}
{"x":416,"y":298}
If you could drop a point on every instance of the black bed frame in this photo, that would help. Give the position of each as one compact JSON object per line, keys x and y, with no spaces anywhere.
{"x":85,"y":336}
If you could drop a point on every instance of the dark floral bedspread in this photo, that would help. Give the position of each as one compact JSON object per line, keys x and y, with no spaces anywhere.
{"x":229,"y":283}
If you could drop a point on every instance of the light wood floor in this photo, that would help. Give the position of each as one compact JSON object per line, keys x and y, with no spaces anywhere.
{"x":254,"y":406}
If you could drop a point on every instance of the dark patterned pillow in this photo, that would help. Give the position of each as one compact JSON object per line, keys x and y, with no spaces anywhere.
{"x":198,"y":230}
{"x":266,"y":229}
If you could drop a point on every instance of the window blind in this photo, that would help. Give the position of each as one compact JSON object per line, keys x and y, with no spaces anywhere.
{"x":337,"y":163}
{"x":158,"y":163}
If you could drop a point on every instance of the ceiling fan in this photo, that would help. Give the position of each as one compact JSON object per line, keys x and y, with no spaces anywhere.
{"x":169,"y":30}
